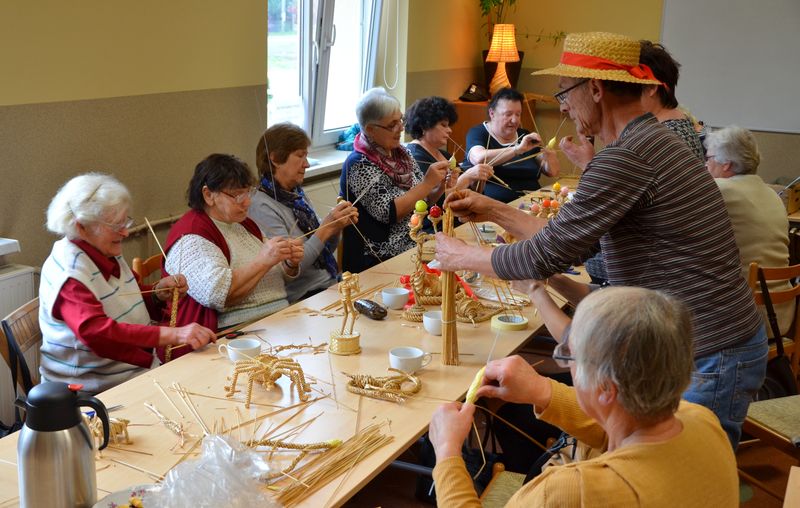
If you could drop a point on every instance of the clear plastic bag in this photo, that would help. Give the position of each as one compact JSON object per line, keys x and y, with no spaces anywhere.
{"x":226,"y":474}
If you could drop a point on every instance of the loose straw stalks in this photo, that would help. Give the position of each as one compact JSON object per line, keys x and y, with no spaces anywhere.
{"x":449,"y":331}
{"x":337,"y":304}
{"x":324,"y":225}
{"x":151,"y":474}
{"x":332,"y":463}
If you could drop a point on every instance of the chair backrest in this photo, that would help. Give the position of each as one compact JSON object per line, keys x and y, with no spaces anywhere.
{"x":144,"y":268}
{"x":788,"y":273}
{"x":22,"y":328}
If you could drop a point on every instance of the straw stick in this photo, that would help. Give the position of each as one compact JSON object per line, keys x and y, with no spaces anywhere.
{"x":156,"y":238}
{"x":564,"y":119}
{"x":333,"y":380}
{"x":161,"y":388}
{"x":324,"y":225}
{"x":158,"y":477}
{"x":369,"y":291}
{"x":514,"y":427}
{"x":533,"y":119}
{"x":190,"y":406}
{"x":456,"y":145}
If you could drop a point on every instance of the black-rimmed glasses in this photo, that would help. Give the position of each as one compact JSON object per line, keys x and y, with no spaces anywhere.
{"x":561,"y":96}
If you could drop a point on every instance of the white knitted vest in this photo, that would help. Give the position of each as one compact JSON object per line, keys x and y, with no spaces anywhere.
{"x":64,"y":357}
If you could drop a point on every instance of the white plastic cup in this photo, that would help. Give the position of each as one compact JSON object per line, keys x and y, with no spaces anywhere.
{"x":432,"y":322}
{"x":395,"y":298}
{"x":241,"y":349}
{"x":408,"y":359}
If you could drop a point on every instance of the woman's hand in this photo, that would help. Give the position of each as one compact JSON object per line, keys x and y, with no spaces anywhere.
{"x":340,"y":217}
{"x":449,"y":428}
{"x":193,"y":335}
{"x":513,"y":379}
{"x":477,"y":173}
{"x":164,"y":287}
{"x":530,"y":287}
{"x":436,"y":174}
{"x":527,"y":143}
{"x":296,"y":255}
{"x":578,"y":153}
{"x":275,"y":250}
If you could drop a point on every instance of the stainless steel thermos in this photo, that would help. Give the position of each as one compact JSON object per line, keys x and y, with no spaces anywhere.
{"x":55,"y":451}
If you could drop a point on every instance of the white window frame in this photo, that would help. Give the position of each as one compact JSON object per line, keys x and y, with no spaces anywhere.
{"x":315,"y":59}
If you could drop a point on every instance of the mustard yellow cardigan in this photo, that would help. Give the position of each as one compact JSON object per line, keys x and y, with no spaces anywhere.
{"x":696,"y":468}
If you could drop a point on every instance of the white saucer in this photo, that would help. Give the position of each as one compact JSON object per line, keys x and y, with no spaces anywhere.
{"x":122,"y":497}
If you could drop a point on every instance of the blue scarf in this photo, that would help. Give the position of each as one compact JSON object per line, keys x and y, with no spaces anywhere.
{"x":306,"y":220}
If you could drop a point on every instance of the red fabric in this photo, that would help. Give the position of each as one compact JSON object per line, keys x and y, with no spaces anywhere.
{"x":84,"y":315}
{"x":398,"y":165}
{"x":640,"y":71}
{"x":196,"y":222}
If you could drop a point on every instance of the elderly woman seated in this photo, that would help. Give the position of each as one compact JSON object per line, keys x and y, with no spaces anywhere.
{"x":630,"y":369}
{"x":429,"y":121}
{"x":759,"y":220}
{"x":504,"y":144}
{"x":234,"y":274}
{"x":95,"y":324}
{"x":381,"y":178}
{"x":281,"y":208}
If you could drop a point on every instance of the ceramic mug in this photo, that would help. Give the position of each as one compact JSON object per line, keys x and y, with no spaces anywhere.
{"x":432,"y":322}
{"x":241,"y":349}
{"x":395,"y":298}
{"x":408,"y":359}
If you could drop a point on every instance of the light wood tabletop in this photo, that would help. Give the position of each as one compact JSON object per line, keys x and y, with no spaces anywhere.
{"x":336,"y":414}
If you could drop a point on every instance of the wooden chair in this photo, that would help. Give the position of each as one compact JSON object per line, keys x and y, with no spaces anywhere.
{"x":791,"y":337}
{"x":144,"y":268}
{"x":22,"y":328}
{"x":502,"y":486}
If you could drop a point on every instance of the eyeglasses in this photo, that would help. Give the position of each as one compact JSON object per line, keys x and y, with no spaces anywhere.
{"x":562,"y":354}
{"x":242,"y":196}
{"x":561,"y":96}
{"x":709,"y":157}
{"x":395,"y":126}
{"x":118,"y":227}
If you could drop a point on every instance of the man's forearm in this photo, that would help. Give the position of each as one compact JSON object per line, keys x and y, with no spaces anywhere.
{"x":515,"y":221}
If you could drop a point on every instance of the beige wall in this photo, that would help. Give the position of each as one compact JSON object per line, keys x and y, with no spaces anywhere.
{"x":142,"y":90}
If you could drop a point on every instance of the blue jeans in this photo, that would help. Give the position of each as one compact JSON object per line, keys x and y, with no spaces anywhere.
{"x":726,"y":382}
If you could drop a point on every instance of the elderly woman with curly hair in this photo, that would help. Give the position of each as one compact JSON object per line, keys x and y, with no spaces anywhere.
{"x":384,"y":182}
{"x":235,"y":275}
{"x":630,"y":369}
{"x":95,"y":323}
{"x":281,"y":208}
{"x":429,"y":121}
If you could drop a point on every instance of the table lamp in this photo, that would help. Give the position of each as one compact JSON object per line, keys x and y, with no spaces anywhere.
{"x":502,"y":50}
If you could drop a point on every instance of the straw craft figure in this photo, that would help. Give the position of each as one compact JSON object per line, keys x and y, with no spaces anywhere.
{"x":346,"y":341}
{"x":265,"y":370}
{"x":388,"y":388}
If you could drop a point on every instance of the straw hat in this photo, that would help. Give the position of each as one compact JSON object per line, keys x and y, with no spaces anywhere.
{"x":602,"y":55}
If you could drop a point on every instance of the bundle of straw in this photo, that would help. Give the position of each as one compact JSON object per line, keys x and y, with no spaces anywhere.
{"x":315,"y":474}
{"x":449,"y":332}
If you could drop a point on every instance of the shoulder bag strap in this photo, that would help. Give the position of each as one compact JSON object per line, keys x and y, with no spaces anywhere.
{"x":773,"y":321}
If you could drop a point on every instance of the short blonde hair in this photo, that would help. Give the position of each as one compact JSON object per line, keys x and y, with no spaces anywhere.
{"x":85,"y":198}
{"x":736,"y":145}
{"x":638,"y":339}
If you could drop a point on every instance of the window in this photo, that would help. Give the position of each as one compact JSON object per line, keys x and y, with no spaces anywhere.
{"x":321,"y":58}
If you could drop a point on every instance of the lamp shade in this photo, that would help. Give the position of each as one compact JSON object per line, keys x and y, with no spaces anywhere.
{"x":504,"y":44}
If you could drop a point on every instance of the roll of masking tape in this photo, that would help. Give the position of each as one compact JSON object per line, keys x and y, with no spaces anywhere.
{"x":509,"y":322}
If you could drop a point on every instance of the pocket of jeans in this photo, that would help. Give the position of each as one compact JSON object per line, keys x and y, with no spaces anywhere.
{"x":749,"y":378}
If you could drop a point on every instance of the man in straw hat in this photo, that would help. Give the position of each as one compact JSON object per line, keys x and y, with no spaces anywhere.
{"x":658,"y":215}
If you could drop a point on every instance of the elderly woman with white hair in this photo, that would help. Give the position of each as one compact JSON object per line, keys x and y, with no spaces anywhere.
{"x":384,"y":182}
{"x":630,"y":369}
{"x":95,"y":322}
{"x":758,"y":217}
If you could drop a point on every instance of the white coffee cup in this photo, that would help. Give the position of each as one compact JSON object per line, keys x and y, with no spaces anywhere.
{"x":432,"y":321}
{"x":241,"y":349}
{"x":395,"y":298}
{"x":408,"y":359}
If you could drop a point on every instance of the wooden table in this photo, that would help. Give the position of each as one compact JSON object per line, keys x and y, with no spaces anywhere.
{"x":205,"y":372}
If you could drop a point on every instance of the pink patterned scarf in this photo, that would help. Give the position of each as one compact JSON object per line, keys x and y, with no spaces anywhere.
{"x":398,"y":165}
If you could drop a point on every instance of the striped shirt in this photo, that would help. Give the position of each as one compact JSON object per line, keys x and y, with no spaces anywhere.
{"x":662,"y":224}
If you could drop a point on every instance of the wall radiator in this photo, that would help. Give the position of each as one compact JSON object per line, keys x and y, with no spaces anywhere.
{"x":18,"y":285}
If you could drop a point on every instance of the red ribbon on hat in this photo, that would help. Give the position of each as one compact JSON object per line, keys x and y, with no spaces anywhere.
{"x":640,"y":71}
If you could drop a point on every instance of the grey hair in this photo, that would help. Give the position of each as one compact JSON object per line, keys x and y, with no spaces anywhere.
{"x":375,"y":104}
{"x":638,"y":339}
{"x":735,"y":145}
{"x":85,"y":198}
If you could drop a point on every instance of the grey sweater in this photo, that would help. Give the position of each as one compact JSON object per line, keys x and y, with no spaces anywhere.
{"x":276,"y":219}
